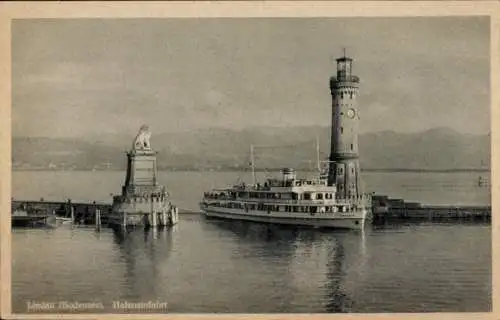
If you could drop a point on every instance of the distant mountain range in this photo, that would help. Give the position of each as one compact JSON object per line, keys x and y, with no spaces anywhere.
{"x":435,"y":149}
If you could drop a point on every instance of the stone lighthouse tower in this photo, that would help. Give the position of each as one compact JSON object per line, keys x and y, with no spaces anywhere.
{"x":344,"y":171}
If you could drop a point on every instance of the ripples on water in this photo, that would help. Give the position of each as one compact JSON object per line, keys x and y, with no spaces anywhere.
{"x":218,"y":266}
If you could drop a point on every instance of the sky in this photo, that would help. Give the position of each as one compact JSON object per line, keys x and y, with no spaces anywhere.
{"x":82,"y":77}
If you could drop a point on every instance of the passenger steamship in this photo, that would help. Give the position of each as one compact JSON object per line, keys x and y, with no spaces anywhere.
{"x":288,"y":200}
{"x":337,"y":201}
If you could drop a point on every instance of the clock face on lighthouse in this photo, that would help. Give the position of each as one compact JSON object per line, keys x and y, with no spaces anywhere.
{"x":351,"y":113}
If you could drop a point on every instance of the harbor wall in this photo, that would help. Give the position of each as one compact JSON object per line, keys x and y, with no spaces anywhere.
{"x":387,"y":209}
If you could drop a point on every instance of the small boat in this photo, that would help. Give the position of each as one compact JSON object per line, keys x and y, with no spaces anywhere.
{"x":64,"y":220}
{"x":21,"y":218}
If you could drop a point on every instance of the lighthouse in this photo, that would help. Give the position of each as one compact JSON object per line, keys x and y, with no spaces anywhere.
{"x":344,"y":170}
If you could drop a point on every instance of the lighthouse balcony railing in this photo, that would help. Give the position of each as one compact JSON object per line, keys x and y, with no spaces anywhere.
{"x":344,"y":78}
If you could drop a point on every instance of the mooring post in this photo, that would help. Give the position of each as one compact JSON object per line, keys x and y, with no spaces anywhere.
{"x":154,"y":219}
{"x":98,"y":219}
{"x":164,"y":217}
{"x":124,"y":222}
{"x":154,"y":213}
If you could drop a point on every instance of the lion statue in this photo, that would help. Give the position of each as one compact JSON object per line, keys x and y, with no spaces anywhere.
{"x":141,"y":141}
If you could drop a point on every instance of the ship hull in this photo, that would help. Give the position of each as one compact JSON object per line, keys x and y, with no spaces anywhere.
{"x":355,"y":222}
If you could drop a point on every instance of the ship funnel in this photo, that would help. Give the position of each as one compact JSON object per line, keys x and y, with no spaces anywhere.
{"x":288,"y":174}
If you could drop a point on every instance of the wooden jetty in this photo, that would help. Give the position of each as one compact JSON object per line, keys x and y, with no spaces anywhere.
{"x":82,"y":212}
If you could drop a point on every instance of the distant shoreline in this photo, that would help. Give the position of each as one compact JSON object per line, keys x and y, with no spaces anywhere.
{"x":388,"y":170}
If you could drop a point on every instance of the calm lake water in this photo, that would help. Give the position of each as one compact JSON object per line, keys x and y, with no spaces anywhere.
{"x":218,"y":266}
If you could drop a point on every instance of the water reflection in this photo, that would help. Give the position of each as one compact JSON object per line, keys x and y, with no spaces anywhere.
{"x":337,"y":299}
{"x":260,"y":240}
{"x":144,"y":253}
{"x":312,"y":260}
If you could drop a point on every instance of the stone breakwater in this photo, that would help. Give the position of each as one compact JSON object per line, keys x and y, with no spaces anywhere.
{"x":387,"y":209}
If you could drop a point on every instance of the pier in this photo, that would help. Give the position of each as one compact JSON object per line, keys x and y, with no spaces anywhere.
{"x":385,"y":209}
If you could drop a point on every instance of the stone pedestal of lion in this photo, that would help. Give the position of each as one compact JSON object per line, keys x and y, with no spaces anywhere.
{"x":143,"y":201}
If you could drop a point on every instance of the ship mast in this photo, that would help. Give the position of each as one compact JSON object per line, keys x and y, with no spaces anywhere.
{"x":252,"y":162}
{"x":317,"y":155}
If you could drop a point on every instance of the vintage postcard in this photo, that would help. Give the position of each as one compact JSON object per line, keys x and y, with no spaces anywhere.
{"x":265,"y":158}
